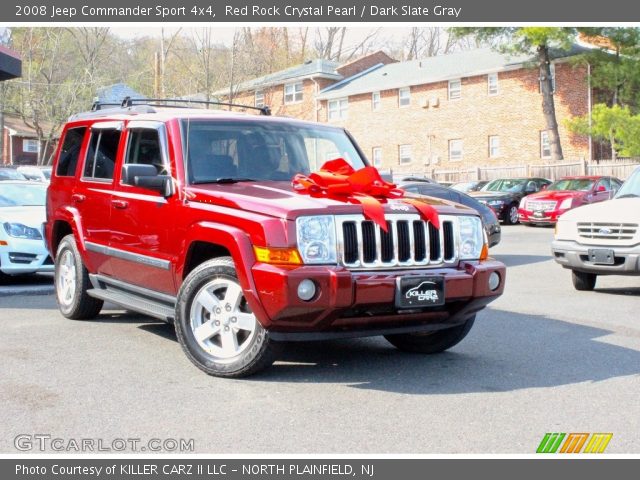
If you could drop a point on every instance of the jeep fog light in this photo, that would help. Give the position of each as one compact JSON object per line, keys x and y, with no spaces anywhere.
{"x":306,"y":290}
{"x":494,"y":281}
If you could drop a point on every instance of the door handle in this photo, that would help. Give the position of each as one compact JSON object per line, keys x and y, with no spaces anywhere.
{"x":120,"y":204}
{"x":76,"y":197}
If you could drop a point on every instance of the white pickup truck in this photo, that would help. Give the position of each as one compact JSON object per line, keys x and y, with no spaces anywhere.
{"x":602,"y":238}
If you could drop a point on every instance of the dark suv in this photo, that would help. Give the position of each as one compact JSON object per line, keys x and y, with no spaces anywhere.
{"x":189,"y":215}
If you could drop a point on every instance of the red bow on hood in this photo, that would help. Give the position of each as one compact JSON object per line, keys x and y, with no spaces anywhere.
{"x":338,"y":180}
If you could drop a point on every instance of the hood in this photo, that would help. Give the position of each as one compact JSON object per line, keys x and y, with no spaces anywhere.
{"x":556,"y":195}
{"x":30,"y":216}
{"x":624,"y":210}
{"x":279,"y":200}
{"x":489,"y":195}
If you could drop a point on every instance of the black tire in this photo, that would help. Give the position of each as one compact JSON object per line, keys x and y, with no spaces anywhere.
{"x":79,"y":306}
{"x":431,"y":342}
{"x":583,"y":281}
{"x":511,"y":215}
{"x":256,"y":351}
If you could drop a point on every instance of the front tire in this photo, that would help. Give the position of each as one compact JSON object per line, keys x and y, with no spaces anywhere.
{"x":511,"y":215}
{"x":215,"y":325}
{"x":71,"y":281}
{"x":431,"y":342}
{"x":583,"y":281}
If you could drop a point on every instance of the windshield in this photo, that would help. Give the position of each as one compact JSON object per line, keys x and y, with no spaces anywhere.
{"x":505,"y":185}
{"x":11,"y":174}
{"x":252,"y":150}
{"x":583,"y":184}
{"x":630,"y":188}
{"x":12,"y":195}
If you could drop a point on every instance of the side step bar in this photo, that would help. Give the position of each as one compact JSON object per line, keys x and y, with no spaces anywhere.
{"x":140,"y":299}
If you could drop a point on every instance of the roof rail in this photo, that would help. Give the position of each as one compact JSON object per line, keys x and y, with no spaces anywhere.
{"x":99,"y":105}
{"x":130,"y":102}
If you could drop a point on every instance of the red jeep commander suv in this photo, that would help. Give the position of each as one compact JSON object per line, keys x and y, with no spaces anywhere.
{"x":189,"y":215}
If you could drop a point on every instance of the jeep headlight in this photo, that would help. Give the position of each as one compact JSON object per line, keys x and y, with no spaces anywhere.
{"x":18,"y":230}
{"x":317,"y":239}
{"x":471,"y":238}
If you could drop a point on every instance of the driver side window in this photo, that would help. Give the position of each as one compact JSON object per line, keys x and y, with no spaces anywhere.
{"x":144,"y":148}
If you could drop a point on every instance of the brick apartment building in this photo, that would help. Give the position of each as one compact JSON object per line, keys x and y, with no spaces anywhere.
{"x":455,"y":111}
{"x":294,"y":91}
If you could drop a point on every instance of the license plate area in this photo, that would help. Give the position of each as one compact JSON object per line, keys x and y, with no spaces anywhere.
{"x":419,"y":292}
{"x":601,"y":256}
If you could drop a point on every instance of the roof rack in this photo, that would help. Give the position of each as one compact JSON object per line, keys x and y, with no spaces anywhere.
{"x":99,"y":106}
{"x":130,"y":102}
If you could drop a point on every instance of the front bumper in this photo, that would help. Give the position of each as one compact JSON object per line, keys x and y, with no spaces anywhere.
{"x":21,"y":256}
{"x":575,"y":256}
{"x":352,"y":304}
{"x":543,"y":218}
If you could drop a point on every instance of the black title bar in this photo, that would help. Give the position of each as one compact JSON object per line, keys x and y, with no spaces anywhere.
{"x":269,"y":11}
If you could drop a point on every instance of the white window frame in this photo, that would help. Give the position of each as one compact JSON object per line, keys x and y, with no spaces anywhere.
{"x":30,"y":145}
{"x":545,"y":144}
{"x":337,"y":109}
{"x":454,"y":93}
{"x":494,"y":146}
{"x":376,"y":156}
{"x":405,"y":152}
{"x":294,"y":93}
{"x":456,"y":154}
{"x":259,"y":98}
{"x":407,"y":97}
{"x":493,"y":87}
{"x":375,"y":101}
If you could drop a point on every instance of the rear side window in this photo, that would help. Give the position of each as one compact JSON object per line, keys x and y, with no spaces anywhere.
{"x":101,"y":155}
{"x":70,"y":151}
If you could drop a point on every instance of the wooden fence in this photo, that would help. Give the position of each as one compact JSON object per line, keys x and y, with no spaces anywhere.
{"x":620,"y":168}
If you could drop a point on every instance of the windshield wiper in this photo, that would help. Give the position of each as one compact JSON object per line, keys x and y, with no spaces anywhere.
{"x":628,"y":195}
{"x":224,"y":180}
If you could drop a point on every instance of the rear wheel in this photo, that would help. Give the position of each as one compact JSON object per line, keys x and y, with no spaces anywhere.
{"x":511,"y":214}
{"x":431,"y":342}
{"x":215,"y":325}
{"x":583,"y":281}
{"x":71,"y":281}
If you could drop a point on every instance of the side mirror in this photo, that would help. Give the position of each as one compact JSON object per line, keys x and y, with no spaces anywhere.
{"x":146,"y":176}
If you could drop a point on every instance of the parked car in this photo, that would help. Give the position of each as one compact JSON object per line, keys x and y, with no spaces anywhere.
{"x":189,"y":215}
{"x":22,"y":214}
{"x":489,"y":218}
{"x":36,"y":174}
{"x":602,"y":238}
{"x":504,"y":195}
{"x":472,"y":186}
{"x":546,"y":206}
{"x":10,"y":173}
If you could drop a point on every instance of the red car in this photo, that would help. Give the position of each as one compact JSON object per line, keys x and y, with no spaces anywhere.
{"x":546,"y":206}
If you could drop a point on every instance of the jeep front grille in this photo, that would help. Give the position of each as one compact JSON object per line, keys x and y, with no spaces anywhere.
{"x":609,"y":231}
{"x":409,"y":242}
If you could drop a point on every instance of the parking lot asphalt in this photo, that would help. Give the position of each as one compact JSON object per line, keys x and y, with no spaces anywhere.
{"x":542,"y":358}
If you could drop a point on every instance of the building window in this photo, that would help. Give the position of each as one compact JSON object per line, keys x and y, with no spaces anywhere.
{"x":545,"y":144}
{"x":455,"y":149}
{"x":455,"y":89}
{"x":494,"y":146}
{"x":259,"y":101}
{"x":30,"y":145}
{"x":375,"y":101}
{"x":492,"y":84}
{"x":293,"y":92}
{"x":552,"y":69}
{"x":377,"y":156}
{"x":405,"y":154}
{"x":404,"y":97}
{"x":338,"y":109}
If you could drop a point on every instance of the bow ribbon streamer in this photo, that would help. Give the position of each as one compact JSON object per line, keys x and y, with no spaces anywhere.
{"x":338,"y":180}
